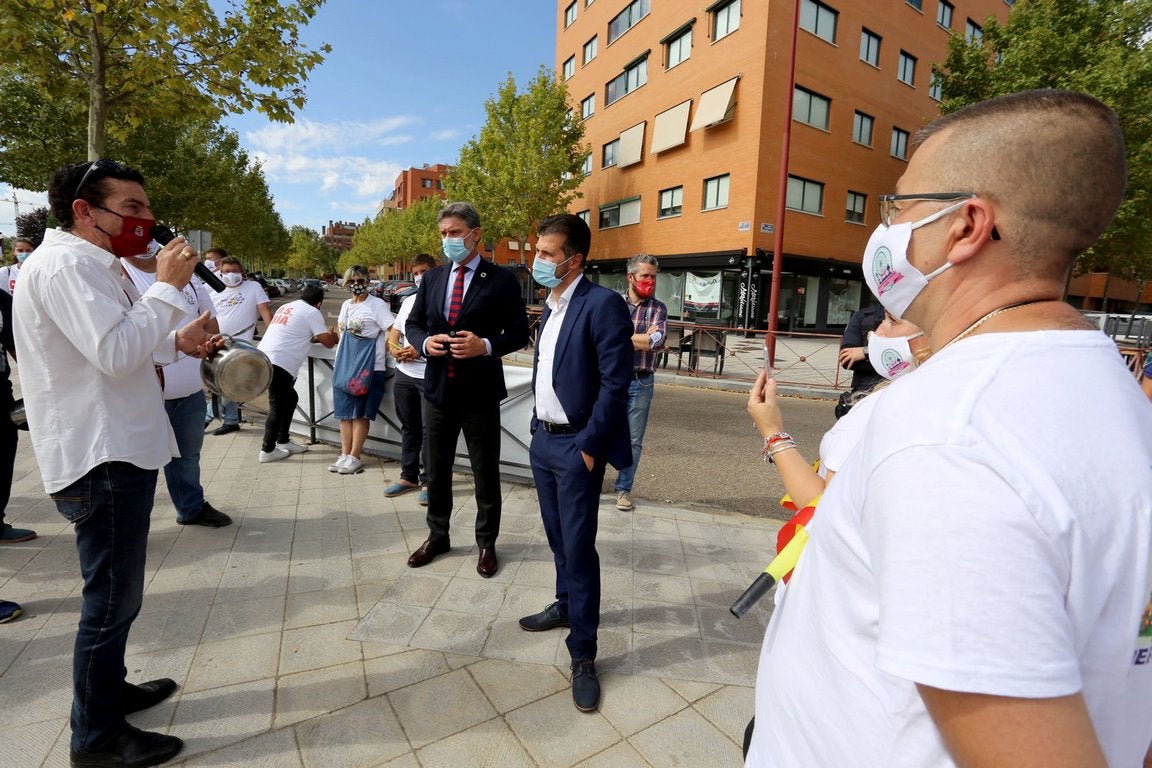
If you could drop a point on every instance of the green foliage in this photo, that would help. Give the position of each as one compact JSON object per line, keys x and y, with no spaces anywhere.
{"x":308,"y":254}
{"x":527,"y":162}
{"x":32,"y":225}
{"x":398,"y":236}
{"x":1099,"y":47}
{"x":131,"y":62}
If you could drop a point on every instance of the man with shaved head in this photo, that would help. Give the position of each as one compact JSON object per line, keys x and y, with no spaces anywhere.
{"x":977,"y":587}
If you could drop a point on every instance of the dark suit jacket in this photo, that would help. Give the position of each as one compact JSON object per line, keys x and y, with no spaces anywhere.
{"x":493,"y":309}
{"x":592,"y":371}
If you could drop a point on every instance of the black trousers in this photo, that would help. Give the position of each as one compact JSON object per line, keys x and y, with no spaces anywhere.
{"x":480,"y":423}
{"x":9,"y":436}
{"x":408,"y":396}
{"x":282,"y":399}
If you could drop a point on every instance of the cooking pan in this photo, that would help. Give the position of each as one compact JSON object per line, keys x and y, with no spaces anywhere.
{"x":238,"y":371}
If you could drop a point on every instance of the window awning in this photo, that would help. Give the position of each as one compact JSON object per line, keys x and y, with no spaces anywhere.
{"x":671,"y":128}
{"x":631,"y":145}
{"x":716,"y":105}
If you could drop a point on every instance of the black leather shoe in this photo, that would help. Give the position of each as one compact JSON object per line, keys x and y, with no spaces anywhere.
{"x":131,"y":748}
{"x":227,"y":429}
{"x":549,"y":618}
{"x":145,"y":695}
{"x":209,"y":517}
{"x":486,"y":564}
{"x":585,"y":686}
{"x":427,"y":552}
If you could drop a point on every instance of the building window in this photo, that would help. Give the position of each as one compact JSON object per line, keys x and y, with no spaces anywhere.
{"x":620,"y":213}
{"x":678,"y":48}
{"x":588,"y":107}
{"x":819,"y":19}
{"x":627,"y":18}
{"x":633,"y":76}
{"x":671,"y":202}
{"x":590,"y":50}
{"x":907,"y":71}
{"x":588,"y":165}
{"x":974,"y":32}
{"x":585,"y":216}
{"x":935,"y":87}
{"x":588,"y":3}
{"x":569,"y":67}
{"x":440,"y":184}
{"x":426,"y":183}
{"x":870,"y":47}
{"x":805,"y":195}
{"x":854,"y":209}
{"x":811,"y":108}
{"x":725,"y":19}
{"x":570,"y":14}
{"x":716,"y":192}
{"x":611,"y":151}
{"x":862,"y":128}
{"x":944,"y":14}
{"x":917,"y":4}
{"x":900,"y":143}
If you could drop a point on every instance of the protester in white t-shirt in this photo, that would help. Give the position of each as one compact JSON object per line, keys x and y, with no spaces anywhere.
{"x":238,"y":307}
{"x":361,"y":317}
{"x":293,"y":330}
{"x":408,"y":396}
{"x":975,"y":588}
{"x":184,"y":403}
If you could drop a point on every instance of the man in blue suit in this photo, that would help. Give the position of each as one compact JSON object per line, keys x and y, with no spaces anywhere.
{"x":580,"y":378}
{"x":468,"y":314}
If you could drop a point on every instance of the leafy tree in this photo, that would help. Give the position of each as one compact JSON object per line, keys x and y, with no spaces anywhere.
{"x":131,"y":62}
{"x":395,"y":237}
{"x":1099,"y":47}
{"x":32,"y":225}
{"x":527,"y":162}
{"x":308,"y":254}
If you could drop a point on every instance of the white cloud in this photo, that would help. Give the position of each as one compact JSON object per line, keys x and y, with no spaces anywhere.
{"x":447,"y":134}
{"x":364,"y":176}
{"x":305,"y":135}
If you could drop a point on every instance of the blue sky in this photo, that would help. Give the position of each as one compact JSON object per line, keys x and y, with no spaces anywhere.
{"x":405,"y":85}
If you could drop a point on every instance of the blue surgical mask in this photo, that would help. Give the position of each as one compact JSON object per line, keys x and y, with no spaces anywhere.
{"x":544,"y":272}
{"x":22,"y":256}
{"x":455,"y":250}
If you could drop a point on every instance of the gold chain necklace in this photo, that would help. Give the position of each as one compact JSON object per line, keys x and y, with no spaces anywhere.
{"x":988,"y":317}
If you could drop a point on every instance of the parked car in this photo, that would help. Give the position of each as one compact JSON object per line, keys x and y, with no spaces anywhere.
{"x":389,"y":287}
{"x":398,"y":296}
{"x":313,"y":281}
{"x":285,"y":286}
{"x":271,"y":290}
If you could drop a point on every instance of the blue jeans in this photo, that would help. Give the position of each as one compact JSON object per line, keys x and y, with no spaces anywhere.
{"x":183,"y":474}
{"x":110,"y":508}
{"x":639,"y":402}
{"x":229,"y":411}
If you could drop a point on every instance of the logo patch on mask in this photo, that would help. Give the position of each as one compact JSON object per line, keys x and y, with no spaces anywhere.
{"x":893,"y":363}
{"x":882,"y":272}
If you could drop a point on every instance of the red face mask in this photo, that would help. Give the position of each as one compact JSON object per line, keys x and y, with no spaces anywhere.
{"x":135,"y":235}
{"x":644,"y":287}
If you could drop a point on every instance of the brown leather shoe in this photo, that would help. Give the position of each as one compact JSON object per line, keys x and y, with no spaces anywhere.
{"x":486,"y":564}
{"x":427,"y":552}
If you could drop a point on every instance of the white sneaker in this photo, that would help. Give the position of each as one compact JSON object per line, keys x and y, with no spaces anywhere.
{"x":276,"y":454}
{"x":350,"y":466}
{"x":335,"y":466}
{"x":624,"y":502}
{"x":292,"y":447}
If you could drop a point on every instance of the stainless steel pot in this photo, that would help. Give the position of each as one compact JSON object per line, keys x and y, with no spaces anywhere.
{"x":239,"y":371}
{"x":18,"y":416}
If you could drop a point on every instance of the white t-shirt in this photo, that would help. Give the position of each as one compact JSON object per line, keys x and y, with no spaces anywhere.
{"x":990,"y":534}
{"x":369,"y":319}
{"x":237,"y":309}
{"x":414,"y":368}
{"x":289,"y":335}
{"x":8,"y":276}
{"x":839,"y":442}
{"x":181,"y":378}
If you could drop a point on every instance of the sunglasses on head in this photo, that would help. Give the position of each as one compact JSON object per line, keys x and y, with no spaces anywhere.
{"x":108,"y":166}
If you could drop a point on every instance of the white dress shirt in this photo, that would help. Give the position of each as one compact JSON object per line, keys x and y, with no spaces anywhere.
{"x":86,"y":338}
{"x":469,"y":268}
{"x":548,"y":407}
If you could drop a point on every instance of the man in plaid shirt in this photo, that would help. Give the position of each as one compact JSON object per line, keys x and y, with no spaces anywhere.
{"x":649,"y":325}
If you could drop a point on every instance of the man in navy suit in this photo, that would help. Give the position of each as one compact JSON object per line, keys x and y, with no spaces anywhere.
{"x":467,"y":315}
{"x":580,"y":377}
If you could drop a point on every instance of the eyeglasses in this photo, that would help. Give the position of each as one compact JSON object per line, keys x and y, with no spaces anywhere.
{"x":108,"y":166}
{"x":889,"y":209}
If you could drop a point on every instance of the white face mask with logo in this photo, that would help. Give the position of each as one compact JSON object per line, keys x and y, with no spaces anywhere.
{"x":891,"y":356}
{"x":232,"y":279}
{"x":892,"y":279}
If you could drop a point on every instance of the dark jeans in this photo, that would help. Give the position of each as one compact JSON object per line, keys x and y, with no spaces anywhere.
{"x":408,"y":396}
{"x":569,"y":498}
{"x":282,"y":400}
{"x":110,"y":507}
{"x":480,"y":423}
{"x":9,"y":436}
{"x":182,"y":473}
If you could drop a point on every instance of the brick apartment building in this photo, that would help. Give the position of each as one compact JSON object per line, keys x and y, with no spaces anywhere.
{"x":338,"y":234}
{"x":684,"y":105}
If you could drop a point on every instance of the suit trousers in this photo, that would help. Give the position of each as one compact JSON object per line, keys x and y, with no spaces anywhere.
{"x":569,"y":504}
{"x":480,"y":423}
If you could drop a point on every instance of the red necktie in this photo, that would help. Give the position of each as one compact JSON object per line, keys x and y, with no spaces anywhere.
{"x":454,"y":308}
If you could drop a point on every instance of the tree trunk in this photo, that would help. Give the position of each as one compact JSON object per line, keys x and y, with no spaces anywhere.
{"x":97,"y":97}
